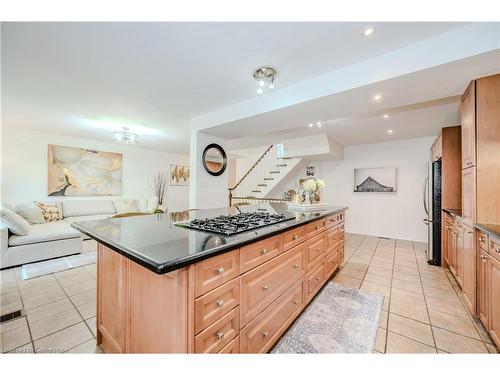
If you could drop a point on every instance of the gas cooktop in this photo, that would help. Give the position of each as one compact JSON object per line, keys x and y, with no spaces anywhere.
{"x":234,"y":224}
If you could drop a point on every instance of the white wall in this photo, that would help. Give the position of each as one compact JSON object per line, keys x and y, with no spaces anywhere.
{"x":395,"y":215}
{"x":24,"y":167}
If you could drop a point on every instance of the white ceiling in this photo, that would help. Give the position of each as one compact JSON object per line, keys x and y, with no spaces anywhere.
{"x":57,"y":75}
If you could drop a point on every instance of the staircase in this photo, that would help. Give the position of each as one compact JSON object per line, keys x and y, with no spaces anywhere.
{"x":270,"y":169}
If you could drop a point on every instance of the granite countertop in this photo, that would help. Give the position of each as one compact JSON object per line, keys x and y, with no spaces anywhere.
{"x":493,"y":229}
{"x":155,"y":242}
{"x":453,"y":211}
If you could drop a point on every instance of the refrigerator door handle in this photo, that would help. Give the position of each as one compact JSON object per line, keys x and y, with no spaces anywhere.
{"x":426,"y":186}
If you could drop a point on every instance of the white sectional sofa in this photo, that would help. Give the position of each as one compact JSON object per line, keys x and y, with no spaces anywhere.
{"x":55,"y":239}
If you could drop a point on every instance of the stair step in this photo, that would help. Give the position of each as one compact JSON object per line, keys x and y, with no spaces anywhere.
{"x":284,"y":158}
{"x":268,"y":179}
{"x":262,"y":185}
{"x":274,"y":172}
{"x":281,"y":165}
{"x":256,"y":191}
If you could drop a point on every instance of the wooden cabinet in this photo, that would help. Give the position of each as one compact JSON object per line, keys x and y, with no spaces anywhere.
{"x":451,"y":248}
{"x":315,"y":251}
{"x":469,"y":195}
{"x":216,"y":336}
{"x":468,"y":120}
{"x":469,"y":269}
{"x":494,"y":300}
{"x":259,"y":252}
{"x":483,"y":288}
{"x":459,"y":244}
{"x":216,"y":271}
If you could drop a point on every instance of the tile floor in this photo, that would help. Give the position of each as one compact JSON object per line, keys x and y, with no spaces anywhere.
{"x":423,"y":313}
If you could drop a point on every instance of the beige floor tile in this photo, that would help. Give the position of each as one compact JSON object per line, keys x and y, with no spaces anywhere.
{"x":409,"y":305}
{"x":379,"y":271}
{"x":14,"y":338}
{"x":83,"y":277}
{"x":23,"y":349}
{"x":380,"y":342}
{"x":453,"y":323}
{"x":49,"y":309}
{"x":411,"y":328}
{"x":454,"y":343}
{"x":92,"y":324}
{"x":406,"y":270}
{"x":437,"y":285}
{"x":35,"y":290}
{"x":43,"y":298}
{"x":80,"y":287}
{"x":85,"y":348}
{"x":7,"y":288}
{"x":374,"y":288}
{"x":349,"y":272}
{"x":12,"y":324}
{"x":84,"y":297}
{"x":447,"y":306}
{"x":10,"y":307}
{"x":10,"y":298}
{"x":51,"y":324}
{"x":356,"y":265}
{"x":400,"y":344}
{"x":88,"y":310}
{"x":440,"y":293}
{"x":382,"y":264}
{"x":42,"y":280}
{"x":492,"y":348}
{"x":379,"y":279}
{"x":407,"y":286}
{"x":408,"y":277}
{"x":63,"y":340}
{"x":349,"y":282}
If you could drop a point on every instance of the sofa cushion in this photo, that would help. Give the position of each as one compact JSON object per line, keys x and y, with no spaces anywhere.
{"x":125,"y":205}
{"x":31,"y":212}
{"x":50,"y":212}
{"x":16,"y":223}
{"x":88,"y":207}
{"x":74,"y":219}
{"x":45,"y":232}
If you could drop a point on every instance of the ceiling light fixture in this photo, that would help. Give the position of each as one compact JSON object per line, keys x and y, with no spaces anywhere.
{"x":377,"y":97}
{"x":369,"y":31}
{"x":265,"y":77}
{"x":386,"y":115}
{"x":311,"y":125}
{"x":389,"y":131}
{"x":319,"y":124}
{"x":125,"y":137}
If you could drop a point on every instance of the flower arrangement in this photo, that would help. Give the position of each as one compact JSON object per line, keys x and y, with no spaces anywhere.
{"x":311,"y":186}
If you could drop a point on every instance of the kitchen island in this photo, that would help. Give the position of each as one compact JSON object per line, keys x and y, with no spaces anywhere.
{"x":163,"y":288}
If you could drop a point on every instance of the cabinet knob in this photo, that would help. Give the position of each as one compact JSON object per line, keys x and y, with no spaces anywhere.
{"x":295,"y":266}
{"x":317,"y":279}
{"x":220,"y":335}
{"x":468,"y":162}
{"x":265,"y":333}
{"x":220,"y":271}
{"x":220,"y":303}
{"x":295,"y":237}
{"x":316,"y":227}
{"x":469,"y":231}
{"x":483,"y":257}
{"x":497,"y":249}
{"x":295,"y":302}
{"x":266,"y":287}
{"x":263,"y":252}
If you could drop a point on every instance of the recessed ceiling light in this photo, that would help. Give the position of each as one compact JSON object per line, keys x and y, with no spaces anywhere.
{"x":319,"y":124}
{"x":369,"y":31}
{"x":386,"y":115}
{"x":265,"y":77}
{"x":389,"y":131}
{"x":377,"y":97}
{"x":311,"y":125}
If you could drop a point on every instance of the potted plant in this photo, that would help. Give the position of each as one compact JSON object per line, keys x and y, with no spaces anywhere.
{"x":159,"y":187}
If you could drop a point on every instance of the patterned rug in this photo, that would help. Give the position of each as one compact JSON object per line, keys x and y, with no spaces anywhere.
{"x":339,"y":320}
{"x":29,"y":271}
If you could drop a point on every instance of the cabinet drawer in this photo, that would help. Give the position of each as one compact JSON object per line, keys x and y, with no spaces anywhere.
{"x":262,"y":332}
{"x":482,"y":241}
{"x":312,"y":229}
{"x":315,"y":250}
{"x":313,"y":281}
{"x":215,"y":271}
{"x":259,"y":252}
{"x":334,"y":236}
{"x":219,"y":334}
{"x":495,"y":248}
{"x":293,"y":237}
{"x":331,"y":263}
{"x":213,"y":305}
{"x":233,"y":347}
{"x":334,"y":220}
{"x":262,"y":285}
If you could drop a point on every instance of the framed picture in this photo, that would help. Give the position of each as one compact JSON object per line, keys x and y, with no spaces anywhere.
{"x":179,"y":175}
{"x":76,"y":171}
{"x":375,"y":180}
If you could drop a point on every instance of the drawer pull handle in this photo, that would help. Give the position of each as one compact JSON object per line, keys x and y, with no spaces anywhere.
{"x":482,"y":240}
{"x":265,"y":333}
{"x":266,"y":287}
{"x":469,"y":231}
{"x":296,"y":302}
{"x":483,"y":257}
{"x":317,"y":249}
{"x":263,"y":252}
{"x":497,"y":249}
{"x":317,"y":279}
{"x":220,"y":335}
{"x":220,"y":271}
{"x":220,"y":303}
{"x":295,"y":237}
{"x":316,"y":227}
{"x":468,"y":162}
{"x":295,"y":266}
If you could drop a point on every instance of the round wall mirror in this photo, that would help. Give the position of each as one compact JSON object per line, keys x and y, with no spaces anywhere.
{"x":214,"y":159}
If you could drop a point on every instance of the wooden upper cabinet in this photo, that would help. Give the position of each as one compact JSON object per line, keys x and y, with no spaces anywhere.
{"x":468,"y":120}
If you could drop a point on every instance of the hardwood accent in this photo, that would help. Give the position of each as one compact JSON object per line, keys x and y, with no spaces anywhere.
{"x":262,"y":285}
{"x":259,"y":252}
{"x":488,"y":149}
{"x":315,"y":251}
{"x":469,"y":195}
{"x":468,"y":120}
{"x":216,"y":336}
{"x":233,"y":347}
{"x":483,"y":288}
{"x":314,"y":228}
{"x":216,"y":271}
{"x":313,"y":282}
{"x":216,"y":303}
{"x":469,"y":269}
{"x":494,"y":300}
{"x":261,"y":333}
{"x":451,"y":168}
{"x":293,"y":237}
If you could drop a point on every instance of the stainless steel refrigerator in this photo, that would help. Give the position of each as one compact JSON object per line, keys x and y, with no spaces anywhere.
{"x":432,"y":209}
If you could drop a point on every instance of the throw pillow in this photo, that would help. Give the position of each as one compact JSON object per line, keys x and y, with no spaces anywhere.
{"x":125,"y":205}
{"x":14,"y":222}
{"x":50,"y":212}
{"x":31,"y":212}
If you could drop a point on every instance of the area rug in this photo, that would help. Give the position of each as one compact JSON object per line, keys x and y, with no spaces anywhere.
{"x":29,"y":271}
{"x":339,"y":320}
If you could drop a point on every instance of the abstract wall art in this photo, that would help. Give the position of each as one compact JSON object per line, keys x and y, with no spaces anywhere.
{"x":179,"y":175}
